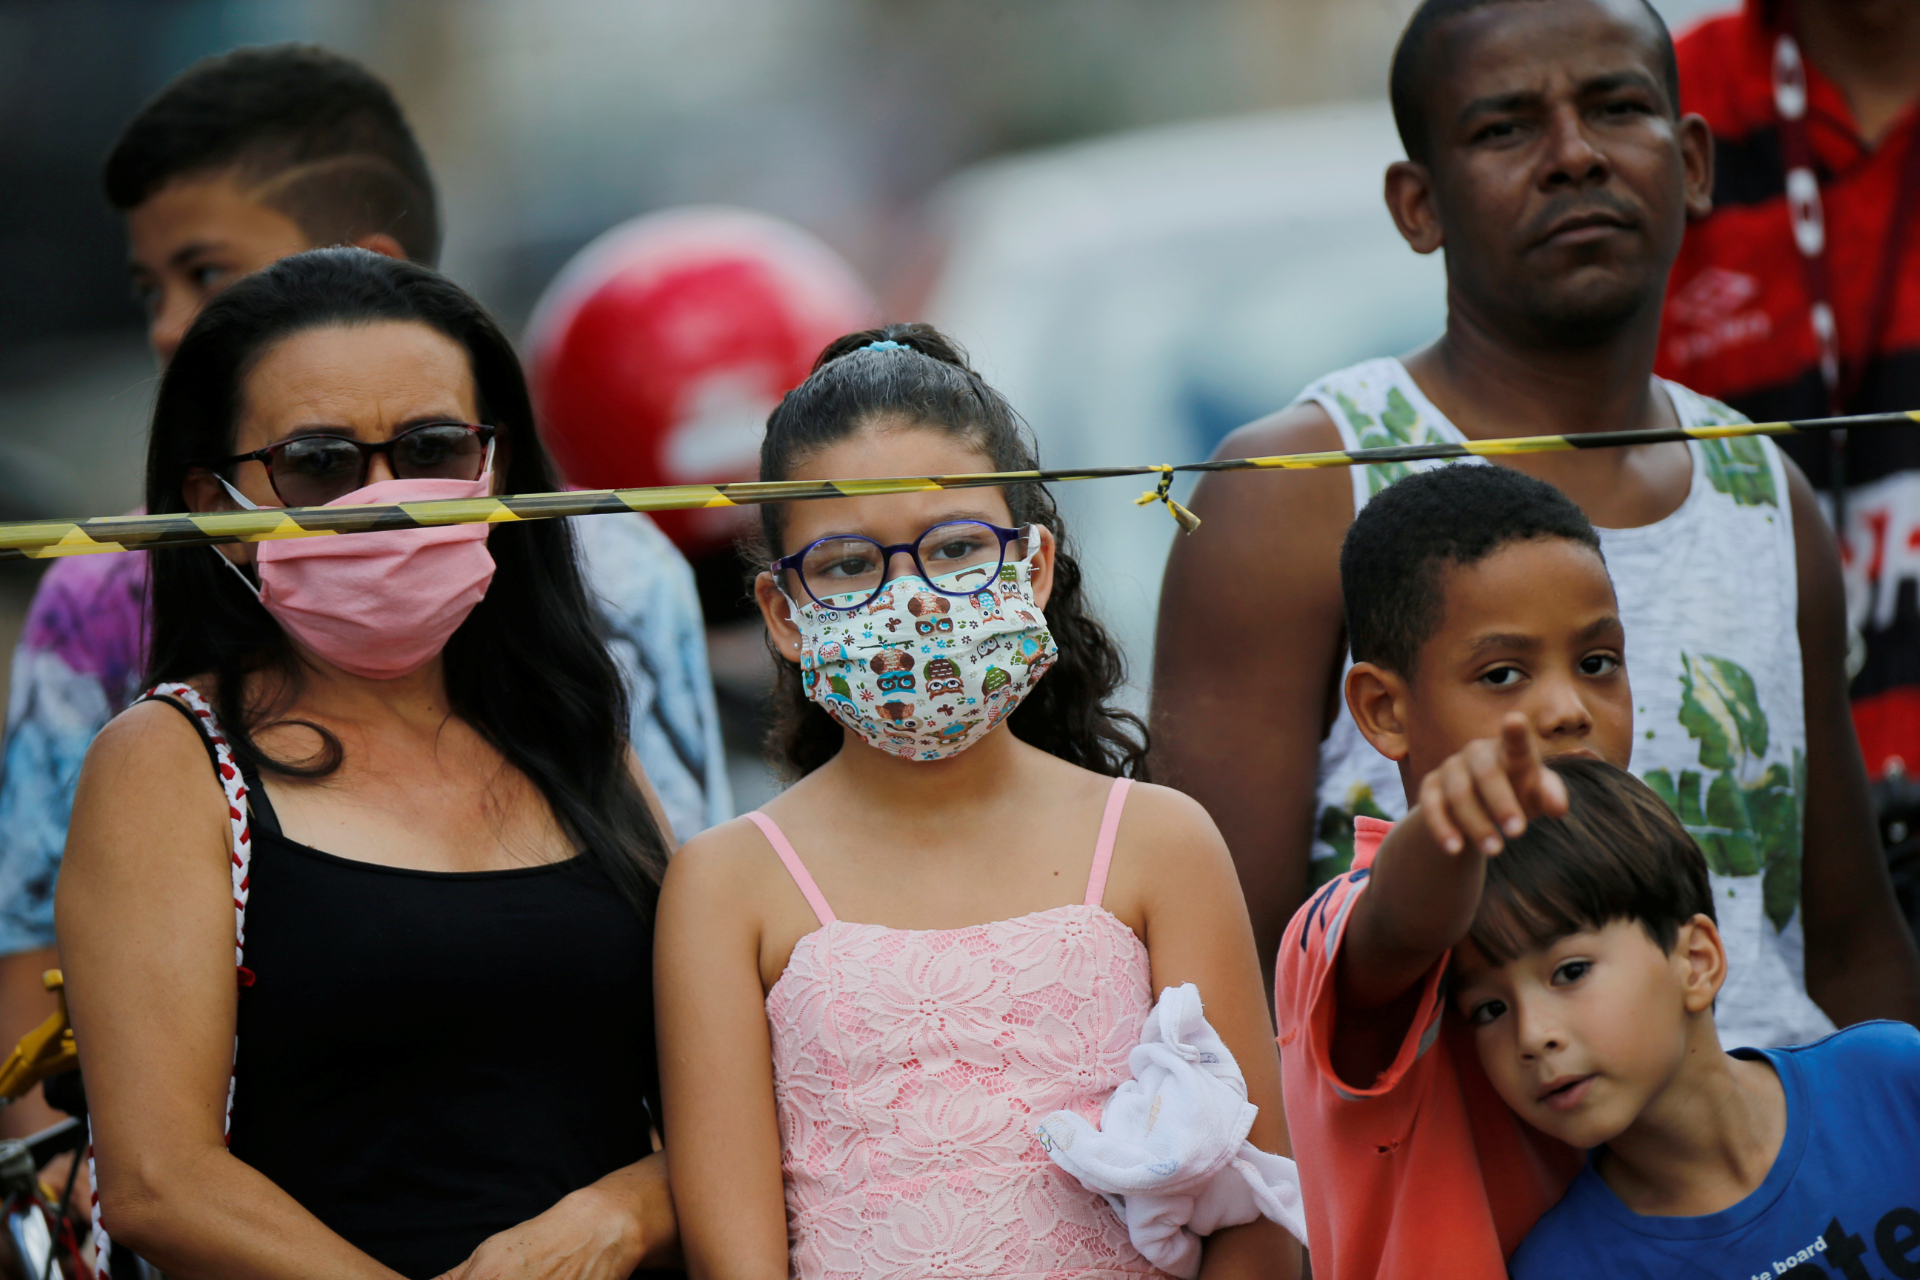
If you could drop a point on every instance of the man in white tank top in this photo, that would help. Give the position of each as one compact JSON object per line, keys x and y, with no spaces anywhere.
{"x":1548,"y":161}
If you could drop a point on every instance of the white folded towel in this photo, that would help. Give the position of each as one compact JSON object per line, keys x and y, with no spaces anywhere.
{"x":1171,"y":1153}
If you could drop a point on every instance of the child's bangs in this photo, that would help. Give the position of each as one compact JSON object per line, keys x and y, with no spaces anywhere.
{"x":1523,"y":914}
{"x":1618,"y":854}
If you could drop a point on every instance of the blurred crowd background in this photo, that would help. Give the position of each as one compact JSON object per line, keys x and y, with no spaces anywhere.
{"x":1149,"y":220}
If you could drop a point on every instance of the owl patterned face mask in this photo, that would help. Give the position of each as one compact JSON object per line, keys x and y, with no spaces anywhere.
{"x":921,"y":674}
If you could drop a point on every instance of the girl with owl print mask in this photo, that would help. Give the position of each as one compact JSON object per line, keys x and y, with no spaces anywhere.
{"x":954,"y":921}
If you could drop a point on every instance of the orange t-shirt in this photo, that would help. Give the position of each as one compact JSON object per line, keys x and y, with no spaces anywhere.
{"x":1425,"y":1172}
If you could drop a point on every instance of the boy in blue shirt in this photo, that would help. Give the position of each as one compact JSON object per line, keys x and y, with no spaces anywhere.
{"x":1588,"y":981}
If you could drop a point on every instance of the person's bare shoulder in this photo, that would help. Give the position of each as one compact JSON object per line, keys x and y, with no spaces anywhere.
{"x":1801,"y":499}
{"x":1167,"y":840}
{"x":149,"y":815}
{"x":1300,"y":428}
{"x":731,"y":861}
{"x":1816,"y":557}
{"x":152,"y":747}
{"x":1165,"y":816}
{"x":1244,"y":512}
{"x":1264,"y":564}
{"x":726,"y":894}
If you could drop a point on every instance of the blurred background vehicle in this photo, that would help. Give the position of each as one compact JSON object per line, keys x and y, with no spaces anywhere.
{"x":1149,"y":221}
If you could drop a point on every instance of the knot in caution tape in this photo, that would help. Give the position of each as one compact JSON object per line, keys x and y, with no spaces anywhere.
{"x":1164,"y":493}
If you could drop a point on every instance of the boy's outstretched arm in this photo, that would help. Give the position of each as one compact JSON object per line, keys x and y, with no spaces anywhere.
{"x":1861,"y":961}
{"x":1426,"y":884}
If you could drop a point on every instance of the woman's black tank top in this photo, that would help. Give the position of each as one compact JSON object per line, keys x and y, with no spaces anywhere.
{"x":426,"y":1058}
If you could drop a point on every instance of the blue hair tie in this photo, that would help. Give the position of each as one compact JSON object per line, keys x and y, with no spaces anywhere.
{"x":887,"y":344}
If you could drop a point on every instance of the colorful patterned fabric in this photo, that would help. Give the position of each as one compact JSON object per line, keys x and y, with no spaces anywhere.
{"x":79,"y":662}
{"x":1709,"y":597}
{"x":924,"y":675}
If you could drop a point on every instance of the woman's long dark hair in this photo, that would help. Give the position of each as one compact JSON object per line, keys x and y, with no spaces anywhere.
{"x":1070,"y":712}
{"x":527,"y":669}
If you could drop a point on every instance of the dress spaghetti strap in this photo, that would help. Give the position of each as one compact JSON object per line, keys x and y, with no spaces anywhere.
{"x":1103,"y":850}
{"x":795,"y":867}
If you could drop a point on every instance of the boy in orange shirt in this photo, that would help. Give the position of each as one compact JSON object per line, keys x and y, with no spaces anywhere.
{"x":1486,"y":640}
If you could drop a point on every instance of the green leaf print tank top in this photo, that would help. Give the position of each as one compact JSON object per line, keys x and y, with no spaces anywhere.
{"x":1709,"y":597}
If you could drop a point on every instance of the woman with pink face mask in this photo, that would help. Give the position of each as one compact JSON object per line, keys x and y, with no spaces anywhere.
{"x":357,"y":907}
{"x":951,"y":927}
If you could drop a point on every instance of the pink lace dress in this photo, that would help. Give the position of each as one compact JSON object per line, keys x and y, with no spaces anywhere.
{"x":910,"y":1066}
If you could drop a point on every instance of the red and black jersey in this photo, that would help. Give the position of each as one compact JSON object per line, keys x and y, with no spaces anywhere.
{"x":1737,"y":327}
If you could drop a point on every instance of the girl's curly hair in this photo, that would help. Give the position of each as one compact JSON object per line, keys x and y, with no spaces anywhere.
{"x":1071,"y":711}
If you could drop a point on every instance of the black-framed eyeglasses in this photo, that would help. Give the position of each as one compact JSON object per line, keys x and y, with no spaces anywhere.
{"x":955,"y":558}
{"x":311,"y":471}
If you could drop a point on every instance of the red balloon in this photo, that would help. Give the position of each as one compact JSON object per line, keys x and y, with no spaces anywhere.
{"x":659,"y":350}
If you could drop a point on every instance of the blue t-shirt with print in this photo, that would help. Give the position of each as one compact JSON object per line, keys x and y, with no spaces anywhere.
{"x":1842,"y":1198}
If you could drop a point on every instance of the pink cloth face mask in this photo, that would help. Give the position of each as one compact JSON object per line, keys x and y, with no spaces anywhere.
{"x":378,"y":605}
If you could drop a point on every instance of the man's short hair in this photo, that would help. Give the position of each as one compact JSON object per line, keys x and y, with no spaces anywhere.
{"x":1618,"y":854}
{"x":1402,"y":542}
{"x":1411,"y":77}
{"x":307,"y":132}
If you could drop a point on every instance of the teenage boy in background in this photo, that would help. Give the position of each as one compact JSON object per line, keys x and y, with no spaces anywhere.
{"x":1547,"y":158}
{"x":1807,"y":305}
{"x":243,"y":159}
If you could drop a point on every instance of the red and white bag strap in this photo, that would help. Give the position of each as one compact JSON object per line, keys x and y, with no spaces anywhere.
{"x":234,"y":784}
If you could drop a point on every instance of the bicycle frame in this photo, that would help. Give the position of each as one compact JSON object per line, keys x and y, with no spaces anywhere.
{"x":37,"y":1223}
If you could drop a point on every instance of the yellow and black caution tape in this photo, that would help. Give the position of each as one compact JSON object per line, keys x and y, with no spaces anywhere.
{"x":45,"y":539}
